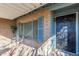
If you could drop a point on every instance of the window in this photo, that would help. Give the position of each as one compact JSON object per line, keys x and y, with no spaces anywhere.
{"x":32,"y":30}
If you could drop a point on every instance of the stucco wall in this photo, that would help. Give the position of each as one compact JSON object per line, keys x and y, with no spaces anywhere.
{"x":5,"y":27}
{"x":34,"y":16}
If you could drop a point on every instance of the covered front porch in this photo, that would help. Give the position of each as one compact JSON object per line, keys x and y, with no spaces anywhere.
{"x":41,"y":29}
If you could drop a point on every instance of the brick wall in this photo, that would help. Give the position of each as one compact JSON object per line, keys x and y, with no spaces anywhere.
{"x":5,"y":27}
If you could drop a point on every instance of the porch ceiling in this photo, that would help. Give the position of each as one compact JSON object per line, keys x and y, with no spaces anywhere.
{"x":14,"y":10}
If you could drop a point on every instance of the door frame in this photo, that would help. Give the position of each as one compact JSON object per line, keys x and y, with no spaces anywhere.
{"x":77,"y":33}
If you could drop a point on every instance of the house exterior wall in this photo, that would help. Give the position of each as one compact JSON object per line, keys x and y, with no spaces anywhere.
{"x":5,"y":27}
{"x":34,"y":16}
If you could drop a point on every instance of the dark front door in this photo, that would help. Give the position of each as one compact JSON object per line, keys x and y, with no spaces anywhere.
{"x":66,"y":32}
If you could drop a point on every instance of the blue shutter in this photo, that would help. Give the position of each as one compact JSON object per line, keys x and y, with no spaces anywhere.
{"x":40,"y":30}
{"x":53,"y":32}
